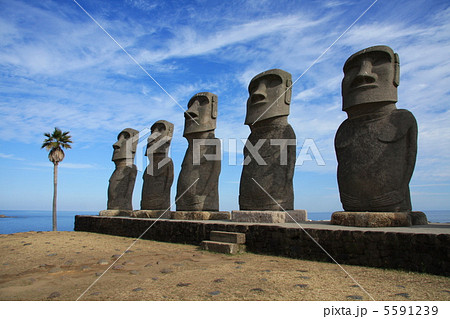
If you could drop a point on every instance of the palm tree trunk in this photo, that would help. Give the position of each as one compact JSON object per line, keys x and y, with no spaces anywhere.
{"x":55,"y":188}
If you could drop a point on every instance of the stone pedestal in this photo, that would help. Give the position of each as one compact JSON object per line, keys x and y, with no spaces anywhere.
{"x":379,"y":219}
{"x":198,"y":215}
{"x":296,"y":215}
{"x":137,"y":213}
{"x":258,"y":216}
{"x":115,"y":212}
{"x":165,"y":214}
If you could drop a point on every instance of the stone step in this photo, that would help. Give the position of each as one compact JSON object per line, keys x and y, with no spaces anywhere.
{"x":227,"y":237}
{"x":219,"y":247}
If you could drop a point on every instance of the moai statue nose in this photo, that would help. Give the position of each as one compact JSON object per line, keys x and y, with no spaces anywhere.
{"x":260,"y":93}
{"x":365,"y":74}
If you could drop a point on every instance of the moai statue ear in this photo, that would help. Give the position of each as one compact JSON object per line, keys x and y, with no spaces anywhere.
{"x":170,"y":129}
{"x":396,"y":70}
{"x":214,"y":106}
{"x":288,"y":93}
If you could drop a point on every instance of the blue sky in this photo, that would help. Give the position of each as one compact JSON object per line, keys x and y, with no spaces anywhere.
{"x":58,"y":68}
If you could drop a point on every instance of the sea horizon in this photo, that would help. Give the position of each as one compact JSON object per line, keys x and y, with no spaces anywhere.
{"x":17,"y":221}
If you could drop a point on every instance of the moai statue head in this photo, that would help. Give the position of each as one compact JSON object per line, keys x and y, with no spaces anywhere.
{"x":125,"y":147}
{"x":159,"y":140}
{"x":270,"y":96}
{"x":201,"y":114}
{"x":371,"y":75}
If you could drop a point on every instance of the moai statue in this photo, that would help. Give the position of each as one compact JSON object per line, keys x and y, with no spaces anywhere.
{"x":121,"y":183}
{"x":198,"y":182}
{"x":269,"y":154}
{"x":158,"y":177}
{"x":376,"y":145}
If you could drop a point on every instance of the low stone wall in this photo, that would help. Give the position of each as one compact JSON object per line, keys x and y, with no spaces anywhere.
{"x":398,"y":250}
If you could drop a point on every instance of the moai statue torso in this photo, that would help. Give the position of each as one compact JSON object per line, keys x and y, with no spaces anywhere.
{"x":158,"y":177}
{"x":268,"y":184}
{"x":198,"y":182}
{"x":121,"y":183}
{"x":376,"y":145}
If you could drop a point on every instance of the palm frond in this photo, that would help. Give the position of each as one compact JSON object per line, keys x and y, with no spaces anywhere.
{"x":55,"y":142}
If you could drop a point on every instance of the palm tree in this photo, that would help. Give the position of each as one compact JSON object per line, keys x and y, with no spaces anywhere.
{"x":54,"y":143}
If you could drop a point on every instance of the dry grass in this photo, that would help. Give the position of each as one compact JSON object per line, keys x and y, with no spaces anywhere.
{"x":62,"y":265}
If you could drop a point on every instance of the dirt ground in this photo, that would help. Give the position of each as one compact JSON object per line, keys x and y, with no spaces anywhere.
{"x":72,"y":265}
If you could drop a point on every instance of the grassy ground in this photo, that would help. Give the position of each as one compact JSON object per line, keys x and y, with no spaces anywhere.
{"x":63,"y":265}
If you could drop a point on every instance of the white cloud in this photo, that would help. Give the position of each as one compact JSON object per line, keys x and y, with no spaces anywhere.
{"x":143,"y":4}
{"x":66,"y":165}
{"x":11,"y":156}
{"x":190,"y":42}
{"x":77,"y":166}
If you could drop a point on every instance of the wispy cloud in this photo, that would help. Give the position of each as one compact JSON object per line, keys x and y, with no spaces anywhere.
{"x":144,"y":5}
{"x":11,"y":156}
{"x":189,"y":42}
{"x":66,"y":165}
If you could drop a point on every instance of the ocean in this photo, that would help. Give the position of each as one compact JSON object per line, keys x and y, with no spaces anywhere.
{"x":38,"y":220}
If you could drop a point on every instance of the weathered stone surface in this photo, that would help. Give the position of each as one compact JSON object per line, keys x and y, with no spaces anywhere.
{"x":115,"y":212}
{"x":297,"y":215}
{"x":198,"y":182}
{"x":255,"y":216}
{"x":121,"y":183}
{"x":223,"y":215}
{"x":151,"y":214}
{"x":158,"y":177}
{"x":269,"y":154}
{"x":137,"y":213}
{"x":219,"y":247}
{"x":200,"y":215}
{"x":190,"y":215}
{"x":418,"y":218}
{"x":227,"y":237}
{"x":376,"y":145}
{"x":371,"y":219}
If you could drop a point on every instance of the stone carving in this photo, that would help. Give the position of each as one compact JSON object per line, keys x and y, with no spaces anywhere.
{"x":197,"y":188}
{"x":121,"y":183}
{"x":376,"y":145}
{"x":274,"y":139}
{"x":158,"y":177}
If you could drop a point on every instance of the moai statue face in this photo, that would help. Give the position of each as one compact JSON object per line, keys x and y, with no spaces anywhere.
{"x":201,"y":114}
{"x":269,"y":96}
{"x":370,"y":76}
{"x":159,"y":140}
{"x":125,"y":147}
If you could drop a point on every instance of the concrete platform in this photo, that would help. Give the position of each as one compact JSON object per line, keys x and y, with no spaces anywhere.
{"x":423,"y":248}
